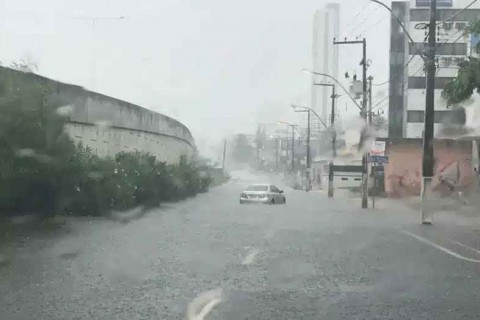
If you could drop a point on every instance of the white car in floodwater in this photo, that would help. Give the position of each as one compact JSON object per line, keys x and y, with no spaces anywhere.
{"x":262,"y":193}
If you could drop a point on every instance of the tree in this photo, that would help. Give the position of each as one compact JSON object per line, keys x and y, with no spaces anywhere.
{"x":242,"y":150}
{"x":467,"y":80}
{"x":379,"y":123}
{"x":260,"y":138}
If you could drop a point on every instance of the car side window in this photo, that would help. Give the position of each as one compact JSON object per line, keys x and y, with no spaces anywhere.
{"x":274,"y":189}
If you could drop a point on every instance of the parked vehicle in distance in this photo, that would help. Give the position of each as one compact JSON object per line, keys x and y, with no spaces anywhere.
{"x":262,"y":193}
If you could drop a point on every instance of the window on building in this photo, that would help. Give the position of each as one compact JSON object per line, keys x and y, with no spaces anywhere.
{"x":441,"y":116}
{"x":423,"y":15}
{"x":446,"y":61}
{"x":420,"y":82}
{"x":415,"y":116}
{"x":460,"y":25}
{"x":446,"y":49}
{"x":447,"y":26}
{"x":459,"y":61}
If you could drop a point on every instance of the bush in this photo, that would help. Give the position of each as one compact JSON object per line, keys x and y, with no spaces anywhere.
{"x":131,"y":179}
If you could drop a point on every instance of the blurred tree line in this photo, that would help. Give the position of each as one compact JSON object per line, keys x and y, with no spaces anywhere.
{"x":42,"y":171}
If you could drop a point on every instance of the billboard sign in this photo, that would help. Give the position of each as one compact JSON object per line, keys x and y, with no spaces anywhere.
{"x":378,"y":159}
{"x":378,"y":148}
{"x":440,"y":3}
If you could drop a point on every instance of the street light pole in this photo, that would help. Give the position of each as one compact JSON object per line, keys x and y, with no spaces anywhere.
{"x":370,"y":115}
{"x":293,"y":148}
{"x":428,"y":156}
{"x":309,"y":163}
{"x":224,"y":153}
{"x":337,"y":82}
{"x":293,"y":126}
{"x":308,"y":160}
{"x":363,"y":112}
{"x":332,"y":123}
{"x":334,"y":147}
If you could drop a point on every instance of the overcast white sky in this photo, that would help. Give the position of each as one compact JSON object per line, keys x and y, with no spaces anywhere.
{"x":218,"y":66}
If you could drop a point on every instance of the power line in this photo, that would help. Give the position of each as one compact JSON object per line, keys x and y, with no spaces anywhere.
{"x":356,"y":16}
{"x":371,"y":26}
{"x":424,"y":25}
{"x":355,"y":26}
{"x":352,"y":21}
{"x":457,"y":13}
{"x":463,"y":32}
{"x":398,"y":74}
{"x":381,"y":100}
{"x":364,"y":20}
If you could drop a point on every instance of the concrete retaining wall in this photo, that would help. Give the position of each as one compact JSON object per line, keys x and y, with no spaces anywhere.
{"x":108,"y":125}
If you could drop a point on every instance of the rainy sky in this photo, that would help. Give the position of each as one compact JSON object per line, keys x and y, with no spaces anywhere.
{"x":218,"y":66}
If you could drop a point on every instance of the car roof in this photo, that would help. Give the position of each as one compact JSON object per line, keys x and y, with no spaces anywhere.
{"x":260,"y":184}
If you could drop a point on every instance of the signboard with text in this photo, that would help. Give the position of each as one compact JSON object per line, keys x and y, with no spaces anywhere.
{"x":378,"y":148}
{"x":378,"y":159}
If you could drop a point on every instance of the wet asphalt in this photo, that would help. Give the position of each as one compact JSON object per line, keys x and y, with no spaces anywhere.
{"x":211,"y":258}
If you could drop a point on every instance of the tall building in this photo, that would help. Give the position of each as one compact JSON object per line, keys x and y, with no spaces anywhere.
{"x":324,"y":55}
{"x":407,"y":74}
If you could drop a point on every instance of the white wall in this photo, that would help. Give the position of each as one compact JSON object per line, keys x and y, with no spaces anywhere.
{"x":416,"y":100}
{"x":415,"y":130}
{"x":108,"y":141}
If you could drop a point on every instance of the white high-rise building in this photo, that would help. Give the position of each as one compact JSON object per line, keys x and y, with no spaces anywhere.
{"x":407,"y":74}
{"x":324,"y":55}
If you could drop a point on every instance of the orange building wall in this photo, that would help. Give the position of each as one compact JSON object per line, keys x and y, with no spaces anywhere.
{"x":403,"y":173}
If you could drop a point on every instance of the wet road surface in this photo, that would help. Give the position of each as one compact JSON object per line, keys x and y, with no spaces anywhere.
{"x":313,"y":258}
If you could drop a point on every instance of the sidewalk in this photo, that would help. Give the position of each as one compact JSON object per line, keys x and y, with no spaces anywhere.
{"x":467,"y":206}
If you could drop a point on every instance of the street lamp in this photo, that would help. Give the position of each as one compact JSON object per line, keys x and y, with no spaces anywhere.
{"x":334,"y":137}
{"x":309,"y":161}
{"x":403,"y":28}
{"x":293,"y":126}
{"x":336,"y":81}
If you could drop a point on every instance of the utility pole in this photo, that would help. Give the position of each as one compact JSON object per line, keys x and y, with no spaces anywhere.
{"x":308,"y":162}
{"x":364,"y":116}
{"x":332,"y":123}
{"x":428,"y":157}
{"x":334,"y":147}
{"x":293,"y":148}
{"x":224,"y":153}
{"x":334,"y":138}
{"x":308,"y":187}
{"x":293,"y":126}
{"x":370,"y":114}
{"x":370,"y":118}
{"x":277,"y":146}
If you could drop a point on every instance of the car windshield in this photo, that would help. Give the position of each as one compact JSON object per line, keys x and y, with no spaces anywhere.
{"x":257,"y":188}
{"x":256,"y":159}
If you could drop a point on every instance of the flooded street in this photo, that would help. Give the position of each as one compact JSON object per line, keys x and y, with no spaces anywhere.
{"x":300,"y":260}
